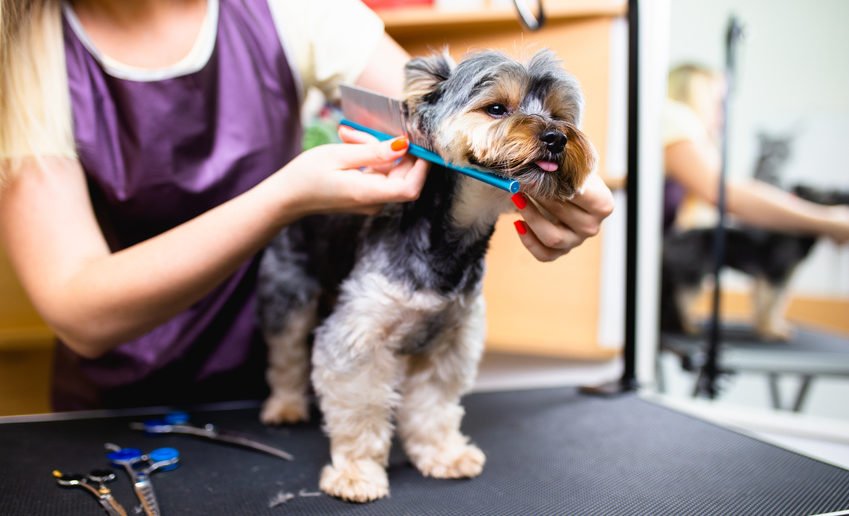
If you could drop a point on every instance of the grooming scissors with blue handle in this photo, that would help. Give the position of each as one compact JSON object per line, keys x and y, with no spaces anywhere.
{"x":139,"y":466}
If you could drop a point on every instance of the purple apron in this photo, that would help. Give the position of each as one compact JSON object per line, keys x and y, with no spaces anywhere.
{"x":673,"y":197}
{"x":157,"y":154}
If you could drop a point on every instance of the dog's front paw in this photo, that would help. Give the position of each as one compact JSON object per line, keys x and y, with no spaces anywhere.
{"x":357,"y":481}
{"x":454,"y":462}
{"x":284,"y":409}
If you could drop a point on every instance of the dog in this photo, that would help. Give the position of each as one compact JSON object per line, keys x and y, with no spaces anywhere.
{"x":769,"y":257}
{"x":393,"y":301}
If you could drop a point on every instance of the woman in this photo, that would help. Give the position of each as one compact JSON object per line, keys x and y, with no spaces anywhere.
{"x":149,"y":151}
{"x":692,"y":120}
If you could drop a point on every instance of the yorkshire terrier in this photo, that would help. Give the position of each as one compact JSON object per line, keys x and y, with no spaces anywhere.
{"x":393,"y":301}
{"x":769,"y":257}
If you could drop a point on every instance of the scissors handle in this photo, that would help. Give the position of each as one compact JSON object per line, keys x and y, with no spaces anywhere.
{"x":102,"y":493}
{"x":145,"y":494}
{"x":139,"y":466}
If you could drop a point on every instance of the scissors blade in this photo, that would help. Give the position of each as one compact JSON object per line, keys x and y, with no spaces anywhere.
{"x":111,"y":505}
{"x":250,"y":443}
{"x":212,"y":433}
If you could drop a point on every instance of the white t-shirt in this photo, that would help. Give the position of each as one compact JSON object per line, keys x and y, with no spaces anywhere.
{"x":680,"y":123}
{"x":324,"y":51}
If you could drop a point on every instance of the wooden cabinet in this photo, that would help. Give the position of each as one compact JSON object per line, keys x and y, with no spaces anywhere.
{"x":20,"y":325}
{"x":554,"y":308}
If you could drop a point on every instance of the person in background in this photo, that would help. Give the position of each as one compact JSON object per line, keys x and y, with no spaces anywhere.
{"x":148,"y":152}
{"x":691,"y":135}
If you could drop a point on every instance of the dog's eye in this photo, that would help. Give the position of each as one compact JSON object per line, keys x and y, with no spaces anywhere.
{"x":496,"y":110}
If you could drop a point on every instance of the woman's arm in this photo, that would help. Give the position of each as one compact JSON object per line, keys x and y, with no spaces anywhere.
{"x":384,"y":72}
{"x":696,"y":166}
{"x":94,"y":299}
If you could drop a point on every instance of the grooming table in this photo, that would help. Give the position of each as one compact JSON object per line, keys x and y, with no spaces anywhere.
{"x":550,"y":451}
{"x":808,"y":354}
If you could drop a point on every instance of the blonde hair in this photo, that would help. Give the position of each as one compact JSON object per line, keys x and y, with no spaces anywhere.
{"x":35,"y":107}
{"x":683,"y":78}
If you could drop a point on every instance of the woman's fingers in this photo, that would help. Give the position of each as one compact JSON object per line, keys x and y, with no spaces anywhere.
{"x":350,"y":135}
{"x":575,"y":218}
{"x":566,"y":225}
{"x":553,"y":235}
{"x":596,"y":198}
{"x":839,"y":224}
{"x":540,"y":251}
{"x":405,"y":181}
{"x":402,"y":183}
{"x":372,"y":154}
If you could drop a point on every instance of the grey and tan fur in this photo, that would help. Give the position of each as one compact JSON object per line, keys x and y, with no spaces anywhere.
{"x":393,"y":301}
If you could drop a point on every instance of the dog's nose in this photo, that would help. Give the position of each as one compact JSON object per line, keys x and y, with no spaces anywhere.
{"x":554,"y":141}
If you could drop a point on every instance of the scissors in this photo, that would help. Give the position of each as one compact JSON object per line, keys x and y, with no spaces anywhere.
{"x":100,"y":477}
{"x":178,"y":423}
{"x":139,"y":467}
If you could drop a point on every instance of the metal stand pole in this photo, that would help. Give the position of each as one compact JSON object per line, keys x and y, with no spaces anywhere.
{"x":706,"y":383}
{"x":628,"y":381}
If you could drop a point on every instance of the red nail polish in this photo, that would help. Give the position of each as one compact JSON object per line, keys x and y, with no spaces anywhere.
{"x":521,"y":228}
{"x":400,"y":144}
{"x":519,"y":200}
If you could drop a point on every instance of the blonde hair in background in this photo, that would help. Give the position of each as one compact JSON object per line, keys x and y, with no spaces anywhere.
{"x":683,"y":81}
{"x":35,"y":107}
{"x":702,"y":90}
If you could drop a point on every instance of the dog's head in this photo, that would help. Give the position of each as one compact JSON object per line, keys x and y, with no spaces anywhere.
{"x":494,"y":112}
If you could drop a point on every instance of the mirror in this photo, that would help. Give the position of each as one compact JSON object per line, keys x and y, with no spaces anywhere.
{"x":784,"y":296}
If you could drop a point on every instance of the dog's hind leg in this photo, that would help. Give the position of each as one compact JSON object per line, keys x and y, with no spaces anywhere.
{"x":770,"y":307}
{"x":288,"y":300}
{"x":685,"y":300}
{"x":430,"y":413}
{"x":288,"y":368}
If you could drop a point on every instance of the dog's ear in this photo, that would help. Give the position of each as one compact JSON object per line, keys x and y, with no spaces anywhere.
{"x":424,"y":76}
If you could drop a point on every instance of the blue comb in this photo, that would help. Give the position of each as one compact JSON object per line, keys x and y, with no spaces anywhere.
{"x":382,"y":118}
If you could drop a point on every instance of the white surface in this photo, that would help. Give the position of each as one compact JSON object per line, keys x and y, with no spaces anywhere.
{"x":501,"y":371}
{"x":654,"y":49}
{"x":611,"y":327}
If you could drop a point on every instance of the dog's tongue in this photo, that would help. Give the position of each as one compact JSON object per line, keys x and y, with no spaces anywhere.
{"x":548,"y":166}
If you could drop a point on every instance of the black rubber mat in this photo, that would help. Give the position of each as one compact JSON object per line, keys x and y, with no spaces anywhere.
{"x":549,"y":451}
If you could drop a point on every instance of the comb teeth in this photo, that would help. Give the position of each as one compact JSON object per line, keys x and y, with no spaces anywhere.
{"x":376,"y":111}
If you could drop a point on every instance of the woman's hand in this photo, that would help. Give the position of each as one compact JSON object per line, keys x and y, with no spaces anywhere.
{"x":358,"y":177}
{"x":574,"y":221}
{"x":547,"y":240}
{"x":838,"y":226}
